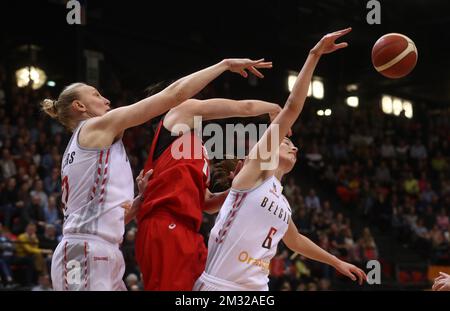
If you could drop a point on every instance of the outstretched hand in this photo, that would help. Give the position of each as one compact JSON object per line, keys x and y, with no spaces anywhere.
{"x":142,"y":180}
{"x":351,"y":271}
{"x":240,"y":65}
{"x":442,"y":282}
{"x":328,"y":45}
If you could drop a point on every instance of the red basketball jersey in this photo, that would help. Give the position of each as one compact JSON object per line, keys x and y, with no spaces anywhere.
{"x":179,"y":181}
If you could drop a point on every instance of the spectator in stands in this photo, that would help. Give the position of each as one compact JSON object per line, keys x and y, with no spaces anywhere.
{"x":324,"y":284}
{"x":49,"y":240}
{"x":411,"y":184}
{"x":9,"y":197}
{"x":52,"y":183}
{"x":38,"y":190}
{"x":28,"y":246}
{"x":369,"y":247}
{"x":51,"y":214}
{"x":387,"y":149}
{"x":7,"y":165}
{"x":418,"y":151}
{"x":402,"y":150}
{"x":442,"y":219}
{"x":7,"y":249}
{"x":312,"y":201}
{"x":132,"y":282}
{"x":43,"y":284}
{"x":382,"y":174}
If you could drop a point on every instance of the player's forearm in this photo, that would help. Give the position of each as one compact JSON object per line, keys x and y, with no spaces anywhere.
{"x":122,"y":118}
{"x":309,"y":249}
{"x":253,"y":107}
{"x":296,"y":99}
{"x":190,"y":85}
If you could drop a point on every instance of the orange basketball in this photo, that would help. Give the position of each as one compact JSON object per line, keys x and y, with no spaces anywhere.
{"x":394,"y":55}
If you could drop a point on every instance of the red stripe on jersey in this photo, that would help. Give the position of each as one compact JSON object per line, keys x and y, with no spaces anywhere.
{"x":85,"y":265}
{"x":107,"y":155}
{"x":230,"y":218}
{"x":66,"y":284}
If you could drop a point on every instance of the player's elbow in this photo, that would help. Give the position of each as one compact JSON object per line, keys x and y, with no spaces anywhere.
{"x":175,"y":93}
{"x":292,"y":105}
{"x":247,"y":107}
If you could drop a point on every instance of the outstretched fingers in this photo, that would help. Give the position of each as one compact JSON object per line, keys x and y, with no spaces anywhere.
{"x":256,"y":72}
{"x":263,"y":65}
{"x":147,"y":175}
{"x":341,"y":32}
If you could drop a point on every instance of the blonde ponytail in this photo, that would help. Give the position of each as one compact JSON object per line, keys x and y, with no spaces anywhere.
{"x":61,"y":109}
{"x":49,"y":107}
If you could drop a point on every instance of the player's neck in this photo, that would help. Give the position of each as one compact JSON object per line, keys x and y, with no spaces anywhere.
{"x":278,"y":173}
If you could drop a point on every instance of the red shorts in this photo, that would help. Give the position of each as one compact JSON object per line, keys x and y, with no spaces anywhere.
{"x":171,"y":255}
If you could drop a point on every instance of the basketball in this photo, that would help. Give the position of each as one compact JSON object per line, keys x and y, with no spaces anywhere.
{"x":394,"y":55}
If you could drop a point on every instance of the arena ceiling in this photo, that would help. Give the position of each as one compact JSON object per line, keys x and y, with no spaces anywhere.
{"x":140,"y":38}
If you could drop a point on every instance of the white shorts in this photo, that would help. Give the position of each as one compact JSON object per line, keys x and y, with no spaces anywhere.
{"x":208,"y":282}
{"x":84,"y":262}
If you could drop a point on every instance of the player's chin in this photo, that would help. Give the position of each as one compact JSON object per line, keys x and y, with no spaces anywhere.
{"x":290,"y":163}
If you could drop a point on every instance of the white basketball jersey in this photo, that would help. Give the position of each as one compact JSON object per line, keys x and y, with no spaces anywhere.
{"x":246,"y":234}
{"x":95,"y":183}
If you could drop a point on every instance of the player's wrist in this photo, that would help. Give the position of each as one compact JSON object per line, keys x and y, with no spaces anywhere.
{"x":140,"y":197}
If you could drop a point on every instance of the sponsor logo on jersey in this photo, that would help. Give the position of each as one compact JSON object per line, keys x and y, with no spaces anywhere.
{"x":273,"y":190}
{"x":104,"y":258}
{"x":245,"y":258}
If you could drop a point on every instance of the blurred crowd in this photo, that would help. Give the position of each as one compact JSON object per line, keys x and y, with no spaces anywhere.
{"x":392,"y":171}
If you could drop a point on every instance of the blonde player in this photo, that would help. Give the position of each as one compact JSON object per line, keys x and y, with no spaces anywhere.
{"x":256,"y":216}
{"x":97,"y":178}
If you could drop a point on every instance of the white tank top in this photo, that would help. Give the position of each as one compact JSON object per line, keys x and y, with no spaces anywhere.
{"x":95,"y":182}
{"x":245,"y":236}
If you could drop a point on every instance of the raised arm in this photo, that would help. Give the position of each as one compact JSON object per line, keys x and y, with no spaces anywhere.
{"x":304,"y":246}
{"x":293,"y":106}
{"x":116,"y":121}
{"x":217,"y":108}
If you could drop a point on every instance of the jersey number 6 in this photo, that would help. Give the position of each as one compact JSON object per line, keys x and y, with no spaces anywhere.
{"x":268,"y":240}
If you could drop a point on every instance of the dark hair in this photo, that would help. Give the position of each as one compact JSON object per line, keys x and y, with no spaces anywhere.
{"x":152,"y":90}
{"x":220,"y":172}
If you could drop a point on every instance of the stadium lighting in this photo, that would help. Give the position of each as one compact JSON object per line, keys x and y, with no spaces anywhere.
{"x":317,"y":88}
{"x":291,"y":80}
{"x":328,"y":112}
{"x":30,"y":73}
{"x":51,"y":83}
{"x":320,"y":113}
{"x":351,"y":87}
{"x":407,"y":107}
{"x":352,"y":101}
{"x":397,"y":106}
{"x":386,"y":104}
